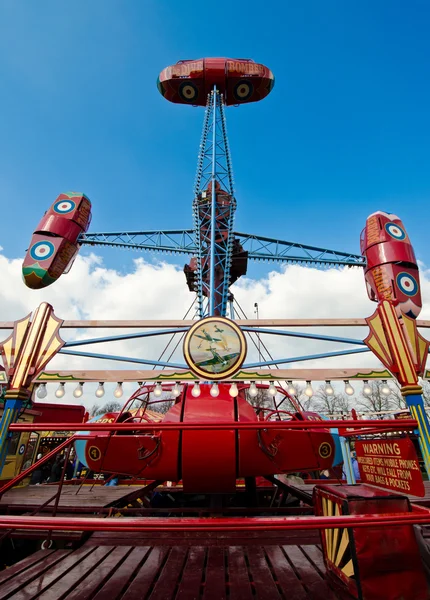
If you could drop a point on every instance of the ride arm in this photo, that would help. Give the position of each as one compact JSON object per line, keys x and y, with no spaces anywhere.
{"x":264,"y":248}
{"x":178,"y":241}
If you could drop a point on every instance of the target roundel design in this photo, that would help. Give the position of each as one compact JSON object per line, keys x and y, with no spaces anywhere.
{"x":407,"y":284}
{"x":395,"y":231}
{"x":188,"y":91}
{"x":243,"y":90}
{"x":64,"y":206}
{"x":42,"y":250}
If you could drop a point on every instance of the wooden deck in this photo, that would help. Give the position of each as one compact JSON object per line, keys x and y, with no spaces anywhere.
{"x":169,"y":573}
{"x":33,"y":496}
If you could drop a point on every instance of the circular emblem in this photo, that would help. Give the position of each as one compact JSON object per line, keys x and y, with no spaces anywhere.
{"x":325,"y":450}
{"x":188,"y":91}
{"x":42,"y":250}
{"x":395,"y":231}
{"x":243,"y":90}
{"x":214,"y":348}
{"x":407,"y":284}
{"x":64,"y":206}
{"x":94,"y":453}
{"x":21,"y":449}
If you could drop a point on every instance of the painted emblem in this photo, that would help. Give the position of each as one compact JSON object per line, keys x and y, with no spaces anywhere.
{"x":214,"y":348}
{"x":64,"y":206}
{"x":42,"y":250}
{"x":94,"y":453}
{"x":325,"y":450}
{"x":21,"y":449}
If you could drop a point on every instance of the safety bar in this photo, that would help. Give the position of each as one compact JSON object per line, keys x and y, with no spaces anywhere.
{"x":396,"y":424}
{"x":205,"y":524}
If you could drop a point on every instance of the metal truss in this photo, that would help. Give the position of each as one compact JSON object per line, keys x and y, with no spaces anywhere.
{"x":182,"y":241}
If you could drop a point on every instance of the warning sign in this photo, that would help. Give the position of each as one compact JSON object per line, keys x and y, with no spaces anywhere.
{"x":391,"y":464}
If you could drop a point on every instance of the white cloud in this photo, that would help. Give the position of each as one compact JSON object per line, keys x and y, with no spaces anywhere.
{"x":158,"y":291}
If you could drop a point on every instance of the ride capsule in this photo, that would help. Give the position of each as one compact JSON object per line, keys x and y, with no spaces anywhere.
{"x":391,"y":272}
{"x":54,"y":243}
{"x":239,"y":81}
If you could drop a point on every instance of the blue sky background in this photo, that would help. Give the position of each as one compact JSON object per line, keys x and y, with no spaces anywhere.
{"x":345,"y":131}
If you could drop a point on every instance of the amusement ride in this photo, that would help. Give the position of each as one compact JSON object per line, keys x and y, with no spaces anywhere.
{"x":212,"y":439}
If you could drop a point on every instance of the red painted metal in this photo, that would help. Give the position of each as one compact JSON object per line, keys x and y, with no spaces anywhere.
{"x":239,"y":80}
{"x":381,"y":559}
{"x":381,"y":426}
{"x":209,"y":457}
{"x":392,"y":271}
{"x":53,"y":245}
{"x":220,"y":524}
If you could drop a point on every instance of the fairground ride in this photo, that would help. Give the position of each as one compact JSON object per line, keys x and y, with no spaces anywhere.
{"x":212,"y":437}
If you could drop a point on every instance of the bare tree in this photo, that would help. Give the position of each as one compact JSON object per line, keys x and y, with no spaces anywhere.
{"x":330,"y":403}
{"x":262,"y":400}
{"x":110,"y":406}
{"x":376,"y":401}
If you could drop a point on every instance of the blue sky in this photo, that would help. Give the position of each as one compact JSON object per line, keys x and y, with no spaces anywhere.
{"x":345,"y":131}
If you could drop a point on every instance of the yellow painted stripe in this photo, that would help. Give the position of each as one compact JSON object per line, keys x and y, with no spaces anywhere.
{"x":329,"y":531}
{"x":348,"y":569}
{"x":343,"y":546}
{"x":335,"y":534}
{"x":399,"y":346}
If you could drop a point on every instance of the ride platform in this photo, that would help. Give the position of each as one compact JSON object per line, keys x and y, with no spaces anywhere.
{"x":141,"y":572}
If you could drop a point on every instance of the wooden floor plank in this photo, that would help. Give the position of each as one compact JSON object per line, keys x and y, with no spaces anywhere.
{"x":141,"y":584}
{"x":121,"y":577}
{"x":316,"y":556}
{"x":104,"y":570}
{"x":165,"y":588}
{"x":285,"y":575}
{"x":316,"y":587}
{"x":239,"y":584}
{"x":49,"y":577}
{"x":81,"y":571}
{"x":23,"y":565}
{"x":9,"y":588}
{"x":189,"y":587}
{"x":264,"y":585}
{"x":215,"y":583}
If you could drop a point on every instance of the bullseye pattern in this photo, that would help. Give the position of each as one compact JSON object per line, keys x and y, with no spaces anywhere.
{"x":407,"y":284}
{"x":42,"y":250}
{"x":188,"y":91}
{"x":395,"y":231}
{"x":243,"y":90}
{"x":64,"y":206}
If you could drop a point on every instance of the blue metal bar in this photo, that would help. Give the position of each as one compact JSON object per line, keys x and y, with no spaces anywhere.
{"x":125,"y":336}
{"x":213,"y":212}
{"x":10,"y":415}
{"x":140,"y":361}
{"x":281,"y":361}
{"x":299,"y":334}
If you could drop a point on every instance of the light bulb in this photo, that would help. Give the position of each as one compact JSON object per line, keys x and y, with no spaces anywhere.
{"x":291,"y":389}
{"x":158,"y":390}
{"x":118,"y":390}
{"x":233,"y":391}
{"x":367,"y":390}
{"x":309,"y":391}
{"x":253,"y":390}
{"x":214,"y":390}
{"x":272,"y":389}
{"x":60,"y":391}
{"x":176,"y":390}
{"x":328,"y":389}
{"x":42,"y":392}
{"x":100,"y":391}
{"x":196,"y":390}
{"x":385,"y":389}
{"x":79,"y":390}
{"x":348,"y":388}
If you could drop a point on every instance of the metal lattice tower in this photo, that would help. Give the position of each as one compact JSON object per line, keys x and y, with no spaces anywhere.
{"x":214,"y":206}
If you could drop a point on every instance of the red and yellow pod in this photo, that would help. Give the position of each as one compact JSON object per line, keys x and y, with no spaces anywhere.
{"x":54,"y":244}
{"x":238,"y":80}
{"x":391,"y":272}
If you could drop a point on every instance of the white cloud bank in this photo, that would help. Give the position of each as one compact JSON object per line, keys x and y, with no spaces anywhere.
{"x":158,"y":291}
